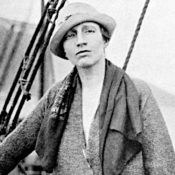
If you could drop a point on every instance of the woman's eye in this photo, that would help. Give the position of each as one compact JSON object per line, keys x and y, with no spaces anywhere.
{"x":70,"y":35}
{"x":90,"y":31}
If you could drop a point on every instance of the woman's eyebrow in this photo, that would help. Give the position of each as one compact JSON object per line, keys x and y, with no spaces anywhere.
{"x":88,"y":26}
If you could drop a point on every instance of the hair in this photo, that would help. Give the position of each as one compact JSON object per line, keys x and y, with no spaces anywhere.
{"x":105,"y":33}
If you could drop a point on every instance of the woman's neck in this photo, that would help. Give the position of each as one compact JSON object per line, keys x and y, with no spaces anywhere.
{"x":92,"y":77}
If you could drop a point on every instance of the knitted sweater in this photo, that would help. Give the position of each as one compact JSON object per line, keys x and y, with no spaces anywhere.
{"x":75,"y":156}
{"x":156,"y":158}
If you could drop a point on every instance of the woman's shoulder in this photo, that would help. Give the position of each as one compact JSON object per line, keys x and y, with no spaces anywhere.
{"x":148,"y":102}
{"x":144,"y":91}
{"x":142,"y":87}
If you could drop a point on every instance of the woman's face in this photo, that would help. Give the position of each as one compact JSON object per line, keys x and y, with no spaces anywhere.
{"x":84,"y":45}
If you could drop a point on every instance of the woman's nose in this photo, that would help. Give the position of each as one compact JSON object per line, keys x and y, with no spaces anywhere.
{"x":81,"y":40}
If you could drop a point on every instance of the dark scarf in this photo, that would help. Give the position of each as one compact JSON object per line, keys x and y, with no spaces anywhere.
{"x":116,"y":86}
{"x":120,"y":122}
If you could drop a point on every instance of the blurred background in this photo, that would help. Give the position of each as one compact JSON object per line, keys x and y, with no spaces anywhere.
{"x":152,"y":60}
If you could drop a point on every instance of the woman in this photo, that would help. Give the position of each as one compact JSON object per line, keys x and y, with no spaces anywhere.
{"x":97,"y":120}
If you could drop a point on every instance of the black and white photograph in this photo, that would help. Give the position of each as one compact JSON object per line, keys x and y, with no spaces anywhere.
{"x":87,"y":87}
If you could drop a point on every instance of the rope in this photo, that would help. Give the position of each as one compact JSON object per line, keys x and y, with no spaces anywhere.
{"x":23,"y":74}
{"x":38,"y":61}
{"x":42,"y":66}
{"x":136,"y":34}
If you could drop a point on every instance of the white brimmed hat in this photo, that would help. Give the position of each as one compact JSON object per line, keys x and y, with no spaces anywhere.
{"x":74,"y":14}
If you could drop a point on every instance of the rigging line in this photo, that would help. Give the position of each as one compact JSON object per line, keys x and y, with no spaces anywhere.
{"x":4,"y":116}
{"x":40,"y":57}
{"x":42,"y":67}
{"x":30,"y":63}
{"x":135,"y":34}
{"x":12,"y":88}
{"x":26,"y":58}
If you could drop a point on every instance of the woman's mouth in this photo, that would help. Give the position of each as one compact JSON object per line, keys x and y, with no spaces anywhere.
{"x":82,"y":51}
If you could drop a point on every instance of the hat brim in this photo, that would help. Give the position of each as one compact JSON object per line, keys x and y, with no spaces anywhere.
{"x":102,"y":19}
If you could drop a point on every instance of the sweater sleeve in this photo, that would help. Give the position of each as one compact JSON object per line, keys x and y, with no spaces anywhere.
{"x":21,"y":142}
{"x":158,"y":153}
